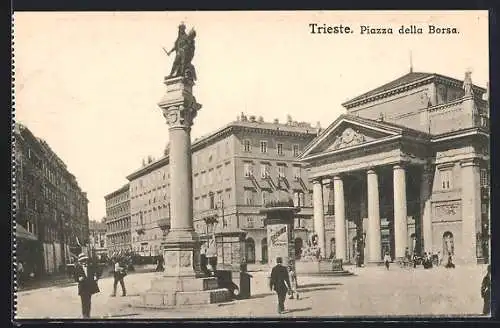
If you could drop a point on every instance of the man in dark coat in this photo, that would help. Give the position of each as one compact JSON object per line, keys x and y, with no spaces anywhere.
{"x":280,"y":282}
{"x":485,"y":291}
{"x":119,"y":272}
{"x":86,"y":277}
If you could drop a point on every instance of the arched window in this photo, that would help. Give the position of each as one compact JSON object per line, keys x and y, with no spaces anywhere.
{"x":250,"y":250}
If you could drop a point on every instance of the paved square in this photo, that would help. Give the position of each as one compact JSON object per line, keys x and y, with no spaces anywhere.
{"x":373,"y":291}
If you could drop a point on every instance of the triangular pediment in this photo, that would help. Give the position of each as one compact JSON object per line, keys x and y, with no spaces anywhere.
{"x":349,"y":132}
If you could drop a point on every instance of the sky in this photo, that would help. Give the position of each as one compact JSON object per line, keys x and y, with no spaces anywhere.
{"x":89,"y":83}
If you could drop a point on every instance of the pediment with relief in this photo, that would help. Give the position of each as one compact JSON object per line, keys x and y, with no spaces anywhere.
{"x":348,"y":134}
{"x":349,"y":137}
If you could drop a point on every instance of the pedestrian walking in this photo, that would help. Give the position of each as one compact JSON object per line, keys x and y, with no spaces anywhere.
{"x":20,"y":273}
{"x":387,"y":260}
{"x":280,"y":282}
{"x":485,"y":291}
{"x":86,"y":277}
{"x":119,"y":273}
{"x":294,"y":285}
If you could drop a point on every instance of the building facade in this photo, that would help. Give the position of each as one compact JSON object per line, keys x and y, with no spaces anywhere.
{"x":118,"y":224}
{"x":236,"y":170}
{"x":150,"y":206}
{"x":407,"y":171}
{"x":97,"y":231}
{"x":49,"y":202}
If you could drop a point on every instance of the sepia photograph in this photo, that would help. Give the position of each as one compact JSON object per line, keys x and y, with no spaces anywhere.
{"x":251,"y":164}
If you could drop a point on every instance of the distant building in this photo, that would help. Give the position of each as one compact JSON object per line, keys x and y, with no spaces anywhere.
{"x":118,"y":228}
{"x":407,"y":171}
{"x":236,"y":170}
{"x":49,"y":202}
{"x":97,"y":232}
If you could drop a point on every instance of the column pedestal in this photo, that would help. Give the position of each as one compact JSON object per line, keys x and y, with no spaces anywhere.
{"x":182,"y":282}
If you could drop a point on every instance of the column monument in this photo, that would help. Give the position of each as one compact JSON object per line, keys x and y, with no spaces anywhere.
{"x":182,"y":282}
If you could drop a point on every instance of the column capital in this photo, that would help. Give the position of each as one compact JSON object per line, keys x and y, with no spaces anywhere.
{"x":337,"y":178}
{"x":371,"y":170}
{"x":399,"y":166}
{"x":470,"y":162}
{"x":317,"y":180}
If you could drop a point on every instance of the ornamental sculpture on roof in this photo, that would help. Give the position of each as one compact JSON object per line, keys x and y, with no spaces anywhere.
{"x":184,"y":48}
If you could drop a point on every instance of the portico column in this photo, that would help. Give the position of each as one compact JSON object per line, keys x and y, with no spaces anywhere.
{"x":318,"y":215}
{"x":400,"y":213}
{"x":340,"y":231}
{"x":373,"y":235}
{"x":471,"y":209}
{"x":425,"y":203}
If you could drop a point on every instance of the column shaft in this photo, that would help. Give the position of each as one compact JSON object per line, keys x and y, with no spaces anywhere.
{"x":340,"y":226}
{"x":373,"y":235}
{"x":181,"y":199}
{"x":425,"y":203}
{"x":318,"y":215}
{"x":400,"y":213}
{"x":471,"y":207}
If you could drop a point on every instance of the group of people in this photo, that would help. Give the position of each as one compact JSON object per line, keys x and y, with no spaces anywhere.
{"x":87,"y":277}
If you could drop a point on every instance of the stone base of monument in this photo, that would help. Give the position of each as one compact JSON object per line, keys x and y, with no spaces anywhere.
{"x":167,"y":292}
{"x":321,"y":268}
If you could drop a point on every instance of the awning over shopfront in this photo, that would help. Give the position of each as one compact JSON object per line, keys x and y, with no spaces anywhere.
{"x":22,"y":233}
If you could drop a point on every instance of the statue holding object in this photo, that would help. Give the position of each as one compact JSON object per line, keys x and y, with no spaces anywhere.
{"x":184,"y":48}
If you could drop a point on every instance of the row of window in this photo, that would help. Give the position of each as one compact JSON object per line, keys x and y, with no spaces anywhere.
{"x":265,"y":170}
{"x":213,"y":200}
{"x":118,"y":211}
{"x":119,"y":239}
{"x":52,"y":175}
{"x":153,"y":215}
{"x":209,"y":154}
{"x":117,"y":199}
{"x":212,"y":176}
{"x":299,"y":198}
{"x":247,"y":147}
{"x":118,"y":225}
{"x":446,"y":178}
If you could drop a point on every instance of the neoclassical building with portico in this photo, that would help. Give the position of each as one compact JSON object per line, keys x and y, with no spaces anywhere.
{"x":406,"y":169}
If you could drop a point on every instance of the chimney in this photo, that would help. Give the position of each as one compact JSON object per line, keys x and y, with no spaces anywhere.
{"x":276,"y":121}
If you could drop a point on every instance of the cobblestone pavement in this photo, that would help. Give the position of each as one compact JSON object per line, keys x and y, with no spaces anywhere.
{"x":373,"y":291}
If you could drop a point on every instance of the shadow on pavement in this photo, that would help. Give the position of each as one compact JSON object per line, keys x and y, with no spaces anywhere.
{"x":302,"y":286}
{"x":298,"y":310}
{"x":302,"y":290}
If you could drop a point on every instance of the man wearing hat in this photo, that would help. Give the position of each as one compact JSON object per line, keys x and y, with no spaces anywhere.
{"x":86,"y":277}
{"x":280,"y":282}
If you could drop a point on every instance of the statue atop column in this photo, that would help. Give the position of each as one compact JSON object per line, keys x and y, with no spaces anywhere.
{"x":184,"y":48}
